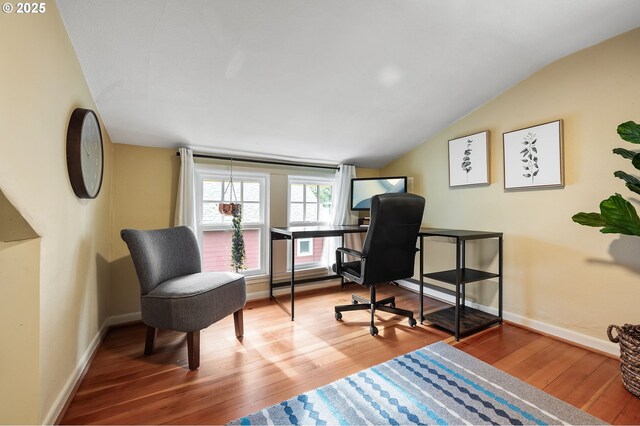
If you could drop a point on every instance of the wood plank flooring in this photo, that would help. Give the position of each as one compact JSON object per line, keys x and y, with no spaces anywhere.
{"x":277,"y":359}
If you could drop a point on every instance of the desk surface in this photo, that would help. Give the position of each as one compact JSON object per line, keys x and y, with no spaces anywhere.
{"x":337,"y":230}
{"x":458,"y":233}
{"x":317,"y":231}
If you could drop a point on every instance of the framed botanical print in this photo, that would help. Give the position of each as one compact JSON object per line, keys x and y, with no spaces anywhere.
{"x":469,"y":160}
{"x":533,"y":157}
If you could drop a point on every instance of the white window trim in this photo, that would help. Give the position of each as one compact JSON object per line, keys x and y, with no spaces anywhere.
{"x":313,"y":180}
{"x":204,"y":172}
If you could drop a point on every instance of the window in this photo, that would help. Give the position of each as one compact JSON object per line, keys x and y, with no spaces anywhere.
{"x":213,"y":188}
{"x":310,"y":203}
{"x":305,"y":247}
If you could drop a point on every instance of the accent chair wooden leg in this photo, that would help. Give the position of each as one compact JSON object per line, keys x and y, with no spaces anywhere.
{"x":151,"y":338}
{"x":193,"y":349}
{"x":238,"y":322}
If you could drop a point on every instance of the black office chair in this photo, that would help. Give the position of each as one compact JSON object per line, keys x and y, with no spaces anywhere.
{"x":388,"y":253}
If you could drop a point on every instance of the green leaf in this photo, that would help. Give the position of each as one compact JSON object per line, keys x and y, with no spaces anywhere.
{"x":636,"y":161}
{"x":630,"y":132}
{"x":620,"y":215}
{"x":617,"y":215}
{"x":627,"y":177}
{"x":633,"y":187}
{"x":589,"y":219}
{"x":624,"y":153}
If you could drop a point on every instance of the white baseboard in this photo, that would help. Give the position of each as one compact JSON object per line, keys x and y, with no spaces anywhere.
{"x":122,"y":319}
{"x":565,"y":334}
{"x":83,"y":362}
{"x":543,"y":327}
{"x":65,"y":393}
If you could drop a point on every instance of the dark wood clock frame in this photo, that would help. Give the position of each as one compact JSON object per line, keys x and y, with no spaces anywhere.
{"x":74,"y":153}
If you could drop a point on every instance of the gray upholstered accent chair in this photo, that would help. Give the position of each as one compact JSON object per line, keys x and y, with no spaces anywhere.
{"x":174,"y":292}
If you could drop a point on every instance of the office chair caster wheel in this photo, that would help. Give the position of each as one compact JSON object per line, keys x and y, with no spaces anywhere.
{"x":338,"y":316}
{"x":392,"y":305}
{"x":373,"y":330}
{"x":412,"y":322}
{"x":354,"y":302}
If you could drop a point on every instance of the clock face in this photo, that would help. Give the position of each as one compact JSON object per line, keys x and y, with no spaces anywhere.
{"x":91,"y":155}
{"x":84,"y":153}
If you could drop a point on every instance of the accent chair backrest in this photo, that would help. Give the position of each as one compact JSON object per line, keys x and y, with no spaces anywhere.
{"x":162,"y":254}
{"x":390,"y":244}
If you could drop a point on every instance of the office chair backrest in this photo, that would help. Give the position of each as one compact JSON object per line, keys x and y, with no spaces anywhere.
{"x":390,"y":244}
{"x":162,"y":254}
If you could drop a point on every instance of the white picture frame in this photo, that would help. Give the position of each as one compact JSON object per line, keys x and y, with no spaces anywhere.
{"x":533,"y":157}
{"x":469,"y":160}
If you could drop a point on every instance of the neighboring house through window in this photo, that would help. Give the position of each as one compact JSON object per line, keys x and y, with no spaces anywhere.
{"x":214,"y":229}
{"x":310,"y":203}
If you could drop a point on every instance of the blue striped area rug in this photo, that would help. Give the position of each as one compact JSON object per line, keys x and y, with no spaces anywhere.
{"x":437,"y":384}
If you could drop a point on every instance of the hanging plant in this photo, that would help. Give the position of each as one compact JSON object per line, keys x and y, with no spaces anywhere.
{"x":234,"y":209}
{"x":228,"y":209}
{"x":238,"y":253}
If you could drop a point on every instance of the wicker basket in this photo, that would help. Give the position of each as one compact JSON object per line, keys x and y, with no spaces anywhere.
{"x":629,"y":339}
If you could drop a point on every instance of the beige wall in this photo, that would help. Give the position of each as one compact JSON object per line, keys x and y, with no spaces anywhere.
{"x":41,"y":84}
{"x":145,"y":183}
{"x":19,"y":329}
{"x":556,"y":271}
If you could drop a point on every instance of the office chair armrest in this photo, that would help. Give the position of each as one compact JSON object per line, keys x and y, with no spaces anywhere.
{"x":350,"y":252}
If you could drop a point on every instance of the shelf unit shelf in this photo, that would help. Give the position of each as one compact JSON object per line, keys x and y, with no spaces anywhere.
{"x":467,"y":275}
{"x":460,"y":319}
{"x":471,"y":319}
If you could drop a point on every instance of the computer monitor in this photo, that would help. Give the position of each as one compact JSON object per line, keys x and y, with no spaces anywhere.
{"x":362,"y":189}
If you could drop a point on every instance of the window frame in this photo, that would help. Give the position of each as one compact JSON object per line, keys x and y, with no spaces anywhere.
{"x":206,"y":172}
{"x":307,"y":180}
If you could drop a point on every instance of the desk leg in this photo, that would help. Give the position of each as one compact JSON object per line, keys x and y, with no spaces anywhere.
{"x":458,"y":279}
{"x":341,"y":276}
{"x":293,"y":268}
{"x":421,"y":247}
{"x":500,"y":278}
{"x":271,"y":265}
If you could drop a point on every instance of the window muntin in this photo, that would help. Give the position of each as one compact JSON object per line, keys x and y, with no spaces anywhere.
{"x":310,"y":202}
{"x":214,"y":229}
{"x":219,"y":190}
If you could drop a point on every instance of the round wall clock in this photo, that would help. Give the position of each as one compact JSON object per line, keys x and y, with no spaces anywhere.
{"x":85,"y":161}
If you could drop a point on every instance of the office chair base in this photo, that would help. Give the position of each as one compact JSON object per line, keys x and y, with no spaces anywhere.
{"x":359,"y":303}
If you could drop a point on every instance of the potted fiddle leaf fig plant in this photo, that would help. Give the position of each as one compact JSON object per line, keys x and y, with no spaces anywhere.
{"x":618,"y":216}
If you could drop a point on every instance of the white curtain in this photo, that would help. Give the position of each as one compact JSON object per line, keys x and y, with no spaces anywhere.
{"x":342,"y":214}
{"x":186,"y":201}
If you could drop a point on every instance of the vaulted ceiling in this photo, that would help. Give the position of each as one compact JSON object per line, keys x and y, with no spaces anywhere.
{"x":359,"y":81}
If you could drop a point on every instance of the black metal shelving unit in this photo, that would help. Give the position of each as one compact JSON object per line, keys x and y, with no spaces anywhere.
{"x":460,"y":319}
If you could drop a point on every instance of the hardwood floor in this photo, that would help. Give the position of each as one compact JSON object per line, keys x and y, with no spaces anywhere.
{"x":277,"y":359}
